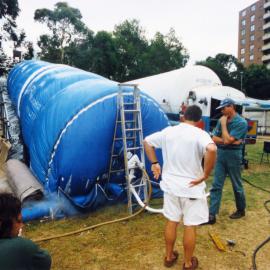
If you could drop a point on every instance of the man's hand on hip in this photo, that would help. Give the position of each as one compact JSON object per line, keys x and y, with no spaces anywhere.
{"x":156,"y":169}
{"x":196,"y":181}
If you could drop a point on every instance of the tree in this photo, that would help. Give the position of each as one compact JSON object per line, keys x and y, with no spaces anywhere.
{"x":138,"y":57}
{"x":226,"y":67}
{"x":78,"y":53}
{"x":5,"y":63}
{"x":164,"y":54}
{"x":9,"y":10}
{"x":104,"y":55}
{"x":66,"y":27}
{"x":131,"y":43}
{"x":257,"y":81}
{"x":29,"y":54}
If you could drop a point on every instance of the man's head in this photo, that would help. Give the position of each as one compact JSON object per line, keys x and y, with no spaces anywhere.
{"x":227,"y":106}
{"x":10,"y":215}
{"x":193,"y":113}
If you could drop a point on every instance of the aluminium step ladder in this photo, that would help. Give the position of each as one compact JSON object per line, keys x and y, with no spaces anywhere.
{"x":129,"y":121}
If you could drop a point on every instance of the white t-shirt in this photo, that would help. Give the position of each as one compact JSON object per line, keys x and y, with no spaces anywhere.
{"x":183,"y":147}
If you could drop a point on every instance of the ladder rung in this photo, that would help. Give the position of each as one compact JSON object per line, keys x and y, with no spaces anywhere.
{"x":127,"y":138}
{"x":127,"y":121}
{"x":134,"y":148}
{"x":133,"y":129}
{"x":132,"y":111}
{"x":120,"y":170}
{"x":129,"y":103}
{"x":131,"y":138}
{"x":140,"y":185}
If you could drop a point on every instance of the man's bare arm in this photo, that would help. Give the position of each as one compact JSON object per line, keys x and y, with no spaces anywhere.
{"x":227,"y":139}
{"x":209,"y":163}
{"x":217,"y":140}
{"x":151,"y":155}
{"x":209,"y":159}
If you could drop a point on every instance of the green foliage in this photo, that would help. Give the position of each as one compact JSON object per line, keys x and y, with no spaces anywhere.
{"x":257,"y":81}
{"x":140,"y":57}
{"x":122,"y":55}
{"x":66,"y":27}
{"x":78,"y":53}
{"x":226,"y":67}
{"x":9,"y":10}
{"x":255,"y":78}
{"x":5,"y":63}
{"x":165,"y":53}
{"x":131,"y":43}
{"x":30,"y":51}
{"x":104,"y":55}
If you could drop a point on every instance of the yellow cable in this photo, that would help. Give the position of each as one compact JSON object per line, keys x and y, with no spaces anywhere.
{"x":103,"y":223}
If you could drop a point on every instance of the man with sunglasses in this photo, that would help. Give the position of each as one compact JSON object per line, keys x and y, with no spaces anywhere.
{"x":228,"y":135}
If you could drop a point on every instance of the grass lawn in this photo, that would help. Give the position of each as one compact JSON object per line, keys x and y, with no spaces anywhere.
{"x":138,"y":243}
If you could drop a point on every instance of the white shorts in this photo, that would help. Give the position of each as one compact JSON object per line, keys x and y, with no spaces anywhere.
{"x":193,"y":211}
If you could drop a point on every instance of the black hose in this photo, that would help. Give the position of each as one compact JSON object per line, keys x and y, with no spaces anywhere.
{"x":254,"y":266}
{"x":265,"y":190}
{"x":265,"y":205}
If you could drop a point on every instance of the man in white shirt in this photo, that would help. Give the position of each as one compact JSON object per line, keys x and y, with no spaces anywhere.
{"x":183,"y":148}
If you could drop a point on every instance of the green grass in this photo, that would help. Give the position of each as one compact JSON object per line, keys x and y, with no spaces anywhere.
{"x":138,"y":243}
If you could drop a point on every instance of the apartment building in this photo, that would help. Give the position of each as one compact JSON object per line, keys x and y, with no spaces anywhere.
{"x":250,"y":34}
{"x":266,"y":36}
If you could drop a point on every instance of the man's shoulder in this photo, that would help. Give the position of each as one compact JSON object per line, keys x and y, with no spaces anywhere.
{"x":240,"y":120}
{"x":23,"y":243}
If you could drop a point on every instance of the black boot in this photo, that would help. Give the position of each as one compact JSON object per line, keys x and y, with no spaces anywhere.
{"x":211,"y":220}
{"x":238,"y":214}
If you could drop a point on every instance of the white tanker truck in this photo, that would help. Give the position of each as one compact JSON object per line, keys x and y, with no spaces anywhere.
{"x":190,"y":85}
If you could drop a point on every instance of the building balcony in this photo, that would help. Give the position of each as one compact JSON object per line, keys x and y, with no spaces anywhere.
{"x":266,"y":36}
{"x":266,"y":58}
{"x":266,"y":26}
{"x":266,"y":5}
{"x":266,"y":15}
{"x":266,"y":47}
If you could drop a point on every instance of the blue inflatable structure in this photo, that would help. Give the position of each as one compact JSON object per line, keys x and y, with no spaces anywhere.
{"x":67,"y":120}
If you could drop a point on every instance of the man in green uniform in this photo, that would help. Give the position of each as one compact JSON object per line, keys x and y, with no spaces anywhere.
{"x":229,"y":135}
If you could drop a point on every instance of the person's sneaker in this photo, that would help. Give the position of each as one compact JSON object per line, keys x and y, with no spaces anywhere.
{"x":238,"y":214}
{"x":211,"y":220}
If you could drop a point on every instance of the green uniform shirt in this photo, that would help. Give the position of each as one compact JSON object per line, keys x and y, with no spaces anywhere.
{"x":22,"y":254}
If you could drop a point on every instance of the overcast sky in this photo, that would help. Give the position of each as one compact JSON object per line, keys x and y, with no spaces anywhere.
{"x":205,"y":27}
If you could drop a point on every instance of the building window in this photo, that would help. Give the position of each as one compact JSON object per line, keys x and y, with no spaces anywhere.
{"x":252,"y":27}
{"x":252,"y":18}
{"x":244,"y":12}
{"x":242,"y":51}
{"x":243,"y":32}
{"x":243,"y":41}
{"x":252,"y":37}
{"x":251,"y":57}
{"x":243,"y":22}
{"x":253,"y":8}
{"x":242,"y":60}
{"x":251,"y":48}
